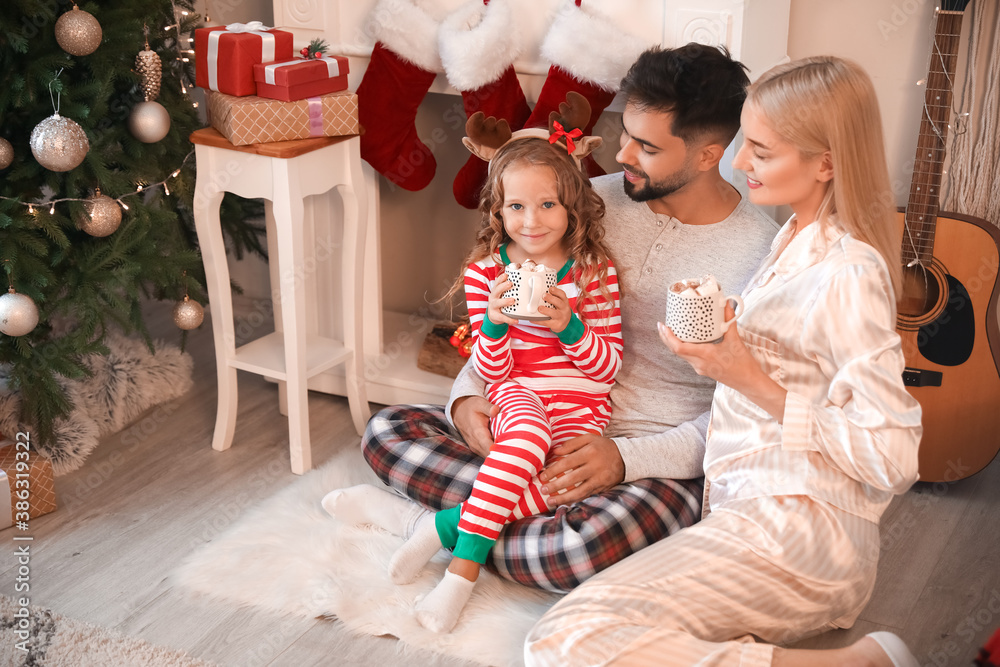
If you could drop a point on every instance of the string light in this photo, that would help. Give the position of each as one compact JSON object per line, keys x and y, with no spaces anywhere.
{"x":138,"y":189}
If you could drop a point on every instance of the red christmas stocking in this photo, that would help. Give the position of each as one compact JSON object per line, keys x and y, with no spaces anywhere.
{"x":402,"y":68}
{"x":479,"y":44}
{"x":588,"y":54}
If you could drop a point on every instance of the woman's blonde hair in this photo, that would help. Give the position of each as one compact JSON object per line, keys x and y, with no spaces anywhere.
{"x":824,"y":104}
{"x":584,"y":209}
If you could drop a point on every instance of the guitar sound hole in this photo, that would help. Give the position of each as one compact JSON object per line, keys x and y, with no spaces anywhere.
{"x":921,"y":292}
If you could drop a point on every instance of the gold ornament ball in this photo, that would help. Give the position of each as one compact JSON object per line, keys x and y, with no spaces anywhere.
{"x":6,"y":153}
{"x":18,"y":314}
{"x":78,"y":33}
{"x":59,"y":144}
{"x":188,"y":314}
{"x":149,"y":122}
{"x":103,"y":216}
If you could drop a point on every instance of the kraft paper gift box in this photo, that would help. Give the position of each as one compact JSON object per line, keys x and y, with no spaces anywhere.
{"x":225,"y":56}
{"x":30,"y":481}
{"x":300,"y":78}
{"x":258,"y":120}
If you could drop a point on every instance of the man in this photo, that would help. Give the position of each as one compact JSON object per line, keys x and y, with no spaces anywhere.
{"x":670,"y":216}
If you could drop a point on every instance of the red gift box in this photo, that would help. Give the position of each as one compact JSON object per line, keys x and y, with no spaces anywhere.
{"x":299,"y":78}
{"x":225,"y":56}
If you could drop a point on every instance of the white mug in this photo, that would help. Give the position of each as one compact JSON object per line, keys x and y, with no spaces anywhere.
{"x":529,"y":288}
{"x":700,"y":319}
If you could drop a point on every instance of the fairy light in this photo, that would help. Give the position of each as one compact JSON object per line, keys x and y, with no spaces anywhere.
{"x":139,"y":188}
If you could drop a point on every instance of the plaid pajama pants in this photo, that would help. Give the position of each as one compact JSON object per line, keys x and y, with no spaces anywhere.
{"x":414,"y":450}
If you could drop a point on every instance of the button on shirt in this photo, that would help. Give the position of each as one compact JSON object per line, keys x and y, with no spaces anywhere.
{"x":820,"y":319}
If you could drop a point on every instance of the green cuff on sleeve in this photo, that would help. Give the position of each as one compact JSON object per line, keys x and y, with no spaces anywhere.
{"x":446,"y":523}
{"x":573,"y":332}
{"x":473,"y":547}
{"x":493,"y":331}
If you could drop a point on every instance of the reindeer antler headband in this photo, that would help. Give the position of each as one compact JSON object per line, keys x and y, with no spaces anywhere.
{"x":488,"y":135}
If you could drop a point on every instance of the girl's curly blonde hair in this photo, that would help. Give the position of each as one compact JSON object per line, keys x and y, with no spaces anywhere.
{"x":584,"y":210}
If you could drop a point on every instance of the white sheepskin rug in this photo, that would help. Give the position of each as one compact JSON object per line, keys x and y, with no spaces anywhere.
{"x":288,"y":555}
{"x":123,"y":385}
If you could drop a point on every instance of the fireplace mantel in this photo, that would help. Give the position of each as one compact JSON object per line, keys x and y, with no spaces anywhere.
{"x":754,"y":31}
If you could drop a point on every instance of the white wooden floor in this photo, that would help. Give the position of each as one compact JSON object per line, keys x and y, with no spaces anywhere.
{"x":149,"y":496}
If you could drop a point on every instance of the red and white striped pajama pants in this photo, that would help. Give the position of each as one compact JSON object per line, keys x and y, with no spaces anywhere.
{"x":529,"y":423}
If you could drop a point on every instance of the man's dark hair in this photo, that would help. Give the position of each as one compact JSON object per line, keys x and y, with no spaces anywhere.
{"x":701,"y":85}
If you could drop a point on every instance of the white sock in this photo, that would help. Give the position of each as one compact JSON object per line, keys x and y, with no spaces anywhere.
{"x":415,"y":553}
{"x":365,"y":503}
{"x":895,"y":648}
{"x":438,"y":611}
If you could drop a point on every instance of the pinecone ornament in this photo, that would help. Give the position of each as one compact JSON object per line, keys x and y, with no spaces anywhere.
{"x":147,"y":63}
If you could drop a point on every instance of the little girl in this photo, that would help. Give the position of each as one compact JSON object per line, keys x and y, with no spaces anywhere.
{"x":550,"y":378}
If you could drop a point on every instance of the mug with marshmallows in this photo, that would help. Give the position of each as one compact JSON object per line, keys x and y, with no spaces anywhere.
{"x":696,"y":310}
{"x":531,"y":282}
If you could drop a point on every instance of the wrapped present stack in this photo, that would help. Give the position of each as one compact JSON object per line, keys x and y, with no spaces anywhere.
{"x":257,"y":92}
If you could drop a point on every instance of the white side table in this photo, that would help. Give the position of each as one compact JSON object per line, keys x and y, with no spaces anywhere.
{"x":284,"y":173}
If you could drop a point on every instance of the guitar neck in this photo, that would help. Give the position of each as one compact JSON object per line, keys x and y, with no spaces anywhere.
{"x":925,"y":186}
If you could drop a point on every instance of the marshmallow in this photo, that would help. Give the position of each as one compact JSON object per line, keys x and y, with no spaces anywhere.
{"x":704,"y":287}
{"x":528,"y":265}
{"x":708,"y":286}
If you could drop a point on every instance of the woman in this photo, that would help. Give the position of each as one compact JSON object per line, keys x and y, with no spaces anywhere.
{"x":812,"y":430}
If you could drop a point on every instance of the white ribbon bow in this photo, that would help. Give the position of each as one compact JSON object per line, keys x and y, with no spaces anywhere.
{"x":253,"y":26}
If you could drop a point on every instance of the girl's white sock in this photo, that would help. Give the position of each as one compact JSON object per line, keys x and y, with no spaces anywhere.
{"x":439,"y":610}
{"x":415,"y":553}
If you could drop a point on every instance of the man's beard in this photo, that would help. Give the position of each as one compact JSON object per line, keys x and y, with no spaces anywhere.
{"x":651,"y":191}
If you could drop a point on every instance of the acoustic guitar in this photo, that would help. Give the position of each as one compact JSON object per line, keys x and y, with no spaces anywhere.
{"x":948,"y":313}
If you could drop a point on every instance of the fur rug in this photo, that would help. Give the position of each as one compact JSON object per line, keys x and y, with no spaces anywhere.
{"x":56,"y":641}
{"x":288,"y":555}
{"x":122,"y":386}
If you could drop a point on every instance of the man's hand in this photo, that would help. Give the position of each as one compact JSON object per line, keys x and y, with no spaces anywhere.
{"x":578,"y":468}
{"x":471,"y":416}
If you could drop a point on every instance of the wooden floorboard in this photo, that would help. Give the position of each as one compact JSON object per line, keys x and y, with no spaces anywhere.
{"x":151,"y":495}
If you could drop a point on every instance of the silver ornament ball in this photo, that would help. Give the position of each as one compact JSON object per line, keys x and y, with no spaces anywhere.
{"x":78,"y":32}
{"x":18,"y":314}
{"x":59,"y":144}
{"x":149,"y":122}
{"x":188,"y":314}
{"x":6,"y":153}
{"x":103,"y":216}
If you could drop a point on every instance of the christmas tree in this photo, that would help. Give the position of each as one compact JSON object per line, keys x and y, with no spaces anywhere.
{"x":52,"y":248}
